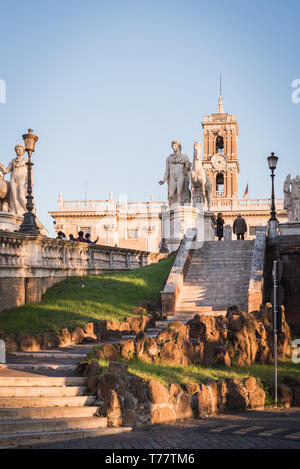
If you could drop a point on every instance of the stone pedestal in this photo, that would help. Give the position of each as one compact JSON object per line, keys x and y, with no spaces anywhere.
{"x":10,"y":221}
{"x":273,"y":229}
{"x":178,"y":219}
{"x":291,"y":228}
{"x":227,"y":233}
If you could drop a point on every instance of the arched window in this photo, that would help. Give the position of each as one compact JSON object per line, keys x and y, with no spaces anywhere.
{"x":220,"y":183}
{"x":219,"y":144}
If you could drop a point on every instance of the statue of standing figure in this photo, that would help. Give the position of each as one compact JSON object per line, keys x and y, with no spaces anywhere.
{"x":291,"y":190}
{"x":201,"y":186}
{"x":18,"y":181}
{"x":177,"y":174}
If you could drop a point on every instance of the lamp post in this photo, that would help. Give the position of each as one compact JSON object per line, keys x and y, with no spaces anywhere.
{"x":29,"y":225}
{"x":273,"y":222}
{"x":272,"y":161}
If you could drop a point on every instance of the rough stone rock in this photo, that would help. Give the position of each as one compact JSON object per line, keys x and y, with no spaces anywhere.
{"x":139,"y":310}
{"x":207,"y":400}
{"x":222,"y":395}
{"x":170,"y":354}
{"x":151,"y":347}
{"x":29,"y":343}
{"x":49,"y":340}
{"x":118,"y":368}
{"x":139,"y":343}
{"x":127,"y":349}
{"x":181,"y":402}
{"x":256,"y":395}
{"x":65,"y":338}
{"x":237,"y":395}
{"x":77,"y":336}
{"x":191,"y":388}
{"x":124,"y":396}
{"x":108,"y":329}
{"x":108,"y":352}
{"x":114,"y":411}
{"x":197,"y":329}
{"x":285,"y":395}
{"x":93,"y":372}
{"x":164,"y":414}
{"x":106,"y":383}
{"x":172,"y":332}
{"x":157,"y":392}
{"x":89,"y":332}
{"x":10,"y":343}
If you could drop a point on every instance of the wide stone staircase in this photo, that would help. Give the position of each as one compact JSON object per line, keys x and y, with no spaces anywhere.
{"x":218,"y":277}
{"x":42,"y":400}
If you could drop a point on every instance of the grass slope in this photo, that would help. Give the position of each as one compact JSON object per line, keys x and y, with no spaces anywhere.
{"x":79,"y":300}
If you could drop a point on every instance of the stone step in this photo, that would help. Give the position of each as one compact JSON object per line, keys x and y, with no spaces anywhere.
{"x":192,"y":313}
{"x":50,"y":425}
{"x":25,"y":439}
{"x":42,"y":381}
{"x":72,"y":401}
{"x":37,"y":367}
{"x":55,"y":355}
{"x":47,"y":412}
{"x":42,"y":391}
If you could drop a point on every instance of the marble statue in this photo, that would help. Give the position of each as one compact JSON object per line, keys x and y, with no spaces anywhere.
{"x":291,"y":190}
{"x":18,"y":181}
{"x":201,"y":186}
{"x":4,"y":194}
{"x":177,"y":174}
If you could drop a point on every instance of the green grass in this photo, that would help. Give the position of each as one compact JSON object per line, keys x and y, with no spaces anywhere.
{"x":79,"y":300}
{"x":167,"y":374}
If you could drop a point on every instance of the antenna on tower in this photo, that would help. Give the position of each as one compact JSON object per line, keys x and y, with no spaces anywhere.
{"x":220,"y":105}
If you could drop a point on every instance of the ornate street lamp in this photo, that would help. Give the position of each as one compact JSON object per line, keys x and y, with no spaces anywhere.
{"x":29,"y":225}
{"x":272,"y":161}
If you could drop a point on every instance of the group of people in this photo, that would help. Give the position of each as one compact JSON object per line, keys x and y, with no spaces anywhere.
{"x":239,"y":227}
{"x":83,"y":238}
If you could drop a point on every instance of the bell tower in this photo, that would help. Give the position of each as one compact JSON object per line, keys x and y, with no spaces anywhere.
{"x":220,"y":160}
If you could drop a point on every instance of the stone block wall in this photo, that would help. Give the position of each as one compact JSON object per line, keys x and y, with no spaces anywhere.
{"x":287,"y":249}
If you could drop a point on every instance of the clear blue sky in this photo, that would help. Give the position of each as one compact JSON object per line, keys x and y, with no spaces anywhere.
{"x":106,"y":85}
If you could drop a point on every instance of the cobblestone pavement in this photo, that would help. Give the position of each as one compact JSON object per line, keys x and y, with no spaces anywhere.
{"x":271,"y":429}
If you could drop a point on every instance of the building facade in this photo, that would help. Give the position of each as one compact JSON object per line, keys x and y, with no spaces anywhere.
{"x":138,"y":225}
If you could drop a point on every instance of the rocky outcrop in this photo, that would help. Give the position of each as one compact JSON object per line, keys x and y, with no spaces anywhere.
{"x":90,"y":332}
{"x":238,"y":339}
{"x":126,"y":399}
{"x":123,"y":397}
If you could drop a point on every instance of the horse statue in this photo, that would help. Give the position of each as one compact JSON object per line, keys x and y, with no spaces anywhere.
{"x":4,"y":193}
{"x":201,"y":187}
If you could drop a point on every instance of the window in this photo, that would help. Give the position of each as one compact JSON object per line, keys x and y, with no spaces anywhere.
{"x":252,"y":230}
{"x":132,"y":234}
{"x":220,"y":183}
{"x":86,"y":229}
{"x":219,"y":144}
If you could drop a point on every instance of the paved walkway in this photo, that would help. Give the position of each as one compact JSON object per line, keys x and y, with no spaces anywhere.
{"x":273,"y":429}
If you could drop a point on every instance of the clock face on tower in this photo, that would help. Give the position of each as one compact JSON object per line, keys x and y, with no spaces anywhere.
{"x":219,"y":161}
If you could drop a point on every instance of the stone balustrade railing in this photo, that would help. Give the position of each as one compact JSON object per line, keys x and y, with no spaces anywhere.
{"x":246,"y":204}
{"x":107,"y":205}
{"x":31,"y":264}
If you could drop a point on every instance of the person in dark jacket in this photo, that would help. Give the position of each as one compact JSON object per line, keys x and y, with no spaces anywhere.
{"x":163,"y":247}
{"x":88,"y":240}
{"x":61,"y":235}
{"x":81,"y":237}
{"x":71,"y":238}
{"x":220,"y":224}
{"x":240,"y":227}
